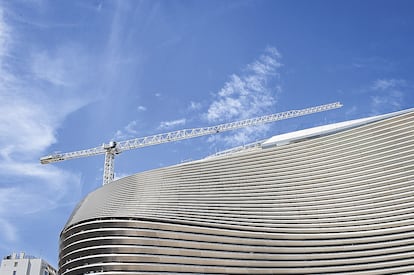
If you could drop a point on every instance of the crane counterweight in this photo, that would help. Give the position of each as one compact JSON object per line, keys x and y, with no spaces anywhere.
{"x":51,"y":158}
{"x":113,"y":147}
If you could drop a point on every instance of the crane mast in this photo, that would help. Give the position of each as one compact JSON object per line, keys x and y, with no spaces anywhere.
{"x":113,"y":148}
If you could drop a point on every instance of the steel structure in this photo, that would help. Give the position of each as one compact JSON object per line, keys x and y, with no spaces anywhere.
{"x":113,"y":147}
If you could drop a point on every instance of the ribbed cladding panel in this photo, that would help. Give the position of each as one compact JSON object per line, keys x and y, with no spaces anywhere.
{"x":339,"y":204}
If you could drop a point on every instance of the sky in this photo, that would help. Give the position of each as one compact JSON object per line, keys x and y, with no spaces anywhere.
{"x":77,"y":74}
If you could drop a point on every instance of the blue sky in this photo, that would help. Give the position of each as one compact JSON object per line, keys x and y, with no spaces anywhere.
{"x":75,"y":74}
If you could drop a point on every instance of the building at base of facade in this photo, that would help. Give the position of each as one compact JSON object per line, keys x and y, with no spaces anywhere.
{"x":336,"y":199}
{"x":22,"y":264}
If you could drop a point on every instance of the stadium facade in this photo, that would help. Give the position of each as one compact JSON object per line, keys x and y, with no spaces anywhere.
{"x":336,"y":199}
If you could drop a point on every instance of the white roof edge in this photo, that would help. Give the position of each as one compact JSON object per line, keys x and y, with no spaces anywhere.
{"x":326,"y":129}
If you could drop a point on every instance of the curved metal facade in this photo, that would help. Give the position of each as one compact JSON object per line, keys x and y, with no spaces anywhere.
{"x":341,"y":203}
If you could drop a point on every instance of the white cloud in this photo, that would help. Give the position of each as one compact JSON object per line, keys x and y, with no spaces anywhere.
{"x":388,"y":95}
{"x":43,"y":182}
{"x":130,"y":128}
{"x":119,"y":175}
{"x":374,"y":63}
{"x":4,"y":35}
{"x":129,"y":131}
{"x":392,"y":101}
{"x":141,"y":108}
{"x":384,"y":84}
{"x":351,"y":111}
{"x":194,"y":106}
{"x":250,"y":94}
{"x":172,"y":123}
{"x":8,"y":231}
{"x":240,"y":137}
{"x":33,"y":106}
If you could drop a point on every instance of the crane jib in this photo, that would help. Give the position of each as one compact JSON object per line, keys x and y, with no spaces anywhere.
{"x":113,"y":148}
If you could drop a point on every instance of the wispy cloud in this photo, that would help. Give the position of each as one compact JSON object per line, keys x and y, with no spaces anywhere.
{"x":351,"y":111}
{"x":60,"y":67}
{"x":141,"y":108}
{"x":392,"y":101}
{"x":385,"y":84}
{"x":249,"y":94}
{"x":9,"y":232}
{"x":171,"y":124}
{"x":129,"y":131}
{"x":373,"y":63}
{"x":241,"y":137}
{"x":119,"y":175}
{"x":33,"y":106}
{"x":387,"y":95}
{"x":194,"y":106}
{"x":4,"y":35}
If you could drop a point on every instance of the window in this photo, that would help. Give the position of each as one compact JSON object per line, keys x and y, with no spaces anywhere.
{"x":15,"y":264}
{"x":14,"y":272}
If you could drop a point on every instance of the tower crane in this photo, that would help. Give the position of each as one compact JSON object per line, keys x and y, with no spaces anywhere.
{"x":113,"y":148}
